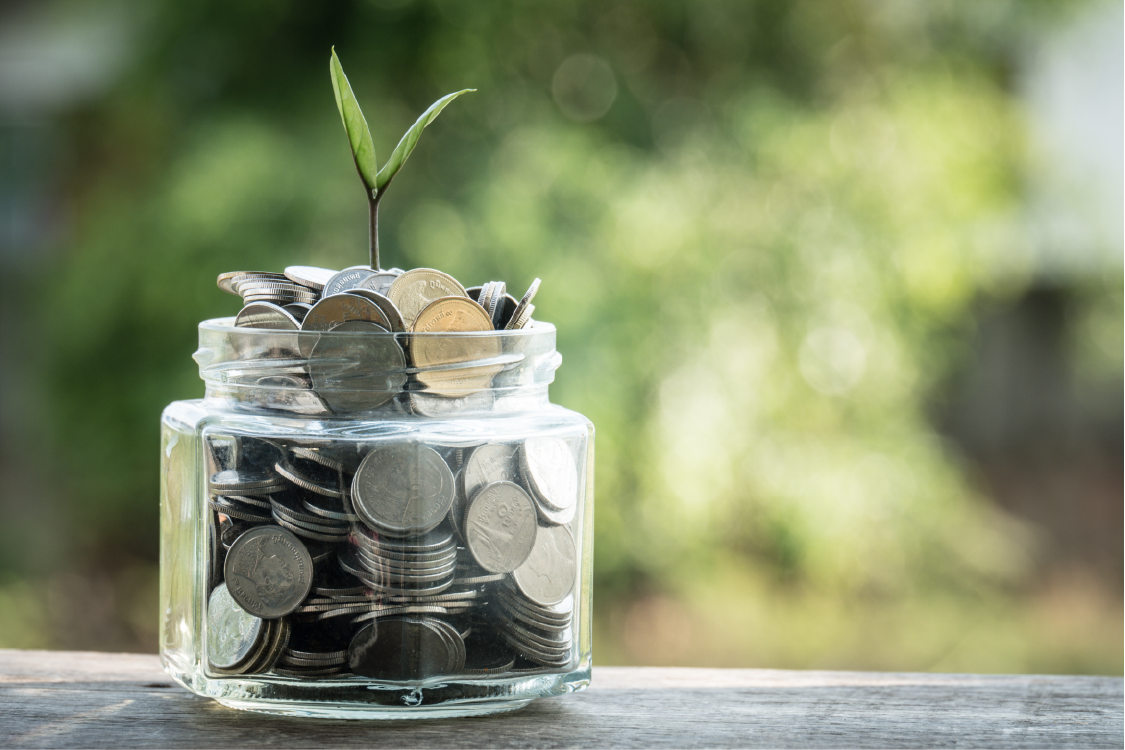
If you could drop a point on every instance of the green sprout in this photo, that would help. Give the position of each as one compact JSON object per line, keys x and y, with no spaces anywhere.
{"x":375,"y":180}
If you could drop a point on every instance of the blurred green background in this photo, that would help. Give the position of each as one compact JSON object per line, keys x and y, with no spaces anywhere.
{"x":838,"y":281}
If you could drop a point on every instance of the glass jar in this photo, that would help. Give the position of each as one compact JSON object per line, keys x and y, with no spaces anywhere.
{"x":374,"y":525}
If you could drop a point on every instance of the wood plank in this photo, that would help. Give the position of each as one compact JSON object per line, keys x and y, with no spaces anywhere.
{"x":67,"y":699}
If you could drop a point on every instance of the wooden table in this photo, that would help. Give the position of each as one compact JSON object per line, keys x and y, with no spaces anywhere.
{"x":78,"y":699}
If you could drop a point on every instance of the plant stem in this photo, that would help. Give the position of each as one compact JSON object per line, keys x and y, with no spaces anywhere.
{"x":373,"y":230}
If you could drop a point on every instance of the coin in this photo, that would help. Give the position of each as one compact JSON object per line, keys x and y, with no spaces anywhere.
{"x":436,"y":405}
{"x":268,"y":571}
{"x":298,"y":310}
{"x":266,"y":315}
{"x":380,"y":282}
{"x":232,"y":632}
{"x":349,"y":278}
{"x":357,"y":326}
{"x":551,"y":473}
{"x":500,"y":527}
{"x":380,"y":302}
{"x":522,"y":311}
{"x":403,"y":489}
{"x":492,"y":462}
{"x":335,"y":309}
{"x":243,"y":479}
{"x":414,"y":290}
{"x":521,"y":318}
{"x":393,"y":317}
{"x":356,"y":373}
{"x":434,"y":357}
{"x":547,"y":575}
{"x":230,"y":282}
{"x":310,"y":276}
{"x":400,"y":649}
{"x":318,"y":456}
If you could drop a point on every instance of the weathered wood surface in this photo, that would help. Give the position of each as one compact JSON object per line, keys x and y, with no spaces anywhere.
{"x":75,"y":699}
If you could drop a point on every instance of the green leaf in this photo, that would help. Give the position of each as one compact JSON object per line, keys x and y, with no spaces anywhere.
{"x":359,"y":135}
{"x":410,"y":140}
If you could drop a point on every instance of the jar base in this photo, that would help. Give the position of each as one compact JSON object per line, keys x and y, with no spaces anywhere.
{"x":343,"y":711}
{"x":357,"y":698}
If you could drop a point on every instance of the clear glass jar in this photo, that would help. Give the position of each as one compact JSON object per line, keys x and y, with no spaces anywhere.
{"x":368,"y":525}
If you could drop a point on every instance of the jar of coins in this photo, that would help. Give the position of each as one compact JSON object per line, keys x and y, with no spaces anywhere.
{"x":376,"y":522}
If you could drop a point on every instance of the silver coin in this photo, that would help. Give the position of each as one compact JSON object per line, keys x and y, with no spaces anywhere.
{"x":266,"y":315}
{"x":290,"y":508}
{"x":379,"y":301}
{"x":500,"y":527}
{"x":492,"y":462}
{"x":317,"y":655}
{"x":274,"y":649}
{"x":327,"y":529}
{"x":548,"y":517}
{"x":555,"y":614}
{"x":315,"y":455}
{"x":232,"y":632}
{"x":260,"y":501}
{"x":380,"y":282}
{"x":547,"y":575}
{"x":268,"y":571}
{"x":431,"y":542}
{"x":437,"y":405}
{"x":280,"y":288}
{"x":306,"y":533}
{"x":243,"y":479}
{"x":400,"y":649}
{"x":242,"y":513}
{"x":492,"y":300}
{"x":394,"y":317}
{"x":330,"y":488}
{"x":358,"y":326}
{"x":414,"y":290}
{"x":529,"y":619}
{"x":310,"y":276}
{"x":403,"y":489}
{"x":550,"y":471}
{"x":547,"y":641}
{"x":269,"y":630}
{"x":339,"y":514}
{"x":349,"y":278}
{"x":231,"y":281}
{"x":522,"y":308}
{"x":356,"y":373}
{"x":522,"y":318}
{"x":337,"y":308}
{"x":486,"y":296}
{"x":298,"y":661}
{"x":298,"y":310}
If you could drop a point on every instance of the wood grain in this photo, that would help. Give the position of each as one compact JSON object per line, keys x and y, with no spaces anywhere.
{"x":68,"y":699}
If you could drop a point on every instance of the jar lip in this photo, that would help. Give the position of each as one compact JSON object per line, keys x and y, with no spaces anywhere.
{"x":226,"y":325}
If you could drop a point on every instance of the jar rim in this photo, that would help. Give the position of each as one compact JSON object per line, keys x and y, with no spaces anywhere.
{"x":226,"y":325}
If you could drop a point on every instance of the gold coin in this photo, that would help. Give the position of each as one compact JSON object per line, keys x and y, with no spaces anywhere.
{"x":432,"y":355}
{"x":412,"y":291}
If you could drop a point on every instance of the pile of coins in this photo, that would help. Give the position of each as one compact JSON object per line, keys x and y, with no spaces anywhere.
{"x":394,"y":561}
{"x":420,"y":301}
{"x":338,"y":375}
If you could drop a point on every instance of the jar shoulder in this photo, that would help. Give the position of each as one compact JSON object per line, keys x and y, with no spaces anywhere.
{"x":196,"y":414}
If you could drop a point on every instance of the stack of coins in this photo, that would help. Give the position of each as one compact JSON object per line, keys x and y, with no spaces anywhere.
{"x":393,"y":560}
{"x":239,"y":643}
{"x":244,"y":495}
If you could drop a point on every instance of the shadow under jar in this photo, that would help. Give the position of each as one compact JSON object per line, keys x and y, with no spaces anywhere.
{"x":376,"y":525}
